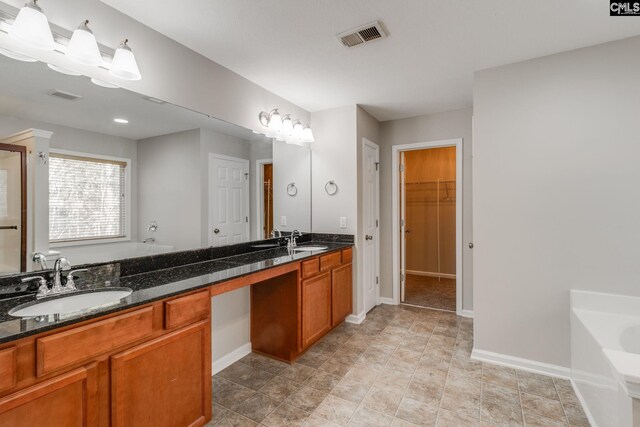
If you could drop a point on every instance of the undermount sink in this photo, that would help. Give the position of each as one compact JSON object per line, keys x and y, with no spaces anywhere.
{"x":309,"y":248}
{"x":71,"y":302}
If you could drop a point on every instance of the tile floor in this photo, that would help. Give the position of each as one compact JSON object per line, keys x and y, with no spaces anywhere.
{"x":427,"y":291}
{"x":403,"y":366}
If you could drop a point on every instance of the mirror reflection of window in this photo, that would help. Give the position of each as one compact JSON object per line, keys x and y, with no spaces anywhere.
{"x":267,"y":173}
{"x":87,"y":198}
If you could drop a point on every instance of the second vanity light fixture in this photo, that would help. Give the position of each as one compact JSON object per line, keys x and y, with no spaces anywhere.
{"x":284,"y":128}
{"x":31,"y":27}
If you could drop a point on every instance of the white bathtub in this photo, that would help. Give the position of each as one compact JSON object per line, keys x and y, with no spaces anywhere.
{"x":88,"y":254}
{"x":605,"y":356}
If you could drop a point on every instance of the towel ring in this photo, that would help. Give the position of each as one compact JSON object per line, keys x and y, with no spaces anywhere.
{"x":292,"y":190}
{"x":331,"y":188}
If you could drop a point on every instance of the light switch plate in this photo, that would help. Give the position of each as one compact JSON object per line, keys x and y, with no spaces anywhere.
{"x":343,"y":222}
{"x":283,"y":221}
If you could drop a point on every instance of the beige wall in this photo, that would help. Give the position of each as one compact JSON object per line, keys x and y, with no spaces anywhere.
{"x":433,"y":127}
{"x":556,"y":197}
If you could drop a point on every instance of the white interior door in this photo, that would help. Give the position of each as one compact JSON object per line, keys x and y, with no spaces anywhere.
{"x":371,"y":249}
{"x":228,"y":200}
{"x":403,"y":226}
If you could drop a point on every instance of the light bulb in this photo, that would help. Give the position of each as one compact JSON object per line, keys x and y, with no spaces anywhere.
{"x":31,"y":27}
{"x":275,"y":121}
{"x":307,"y":135}
{"x":124,"y":64}
{"x":83,"y":47}
{"x":298,"y":131}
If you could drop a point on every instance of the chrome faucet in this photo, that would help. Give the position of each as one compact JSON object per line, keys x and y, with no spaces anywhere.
{"x":274,"y":231}
{"x":292,"y":239}
{"x":41,"y":259}
{"x":43,"y":289}
{"x":59,"y":266}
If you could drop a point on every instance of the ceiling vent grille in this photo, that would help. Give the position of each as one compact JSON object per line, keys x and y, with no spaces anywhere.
{"x":361,"y":35}
{"x":65,"y":95}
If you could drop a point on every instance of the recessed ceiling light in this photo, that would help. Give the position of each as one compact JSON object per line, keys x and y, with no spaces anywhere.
{"x":121,"y":121}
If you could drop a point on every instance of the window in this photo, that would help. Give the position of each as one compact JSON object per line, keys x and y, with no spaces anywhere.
{"x":87,"y":198}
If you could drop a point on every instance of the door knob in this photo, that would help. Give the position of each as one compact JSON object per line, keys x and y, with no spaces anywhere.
{"x":216,"y":230}
{"x":470,"y":245}
{"x":367,"y":237}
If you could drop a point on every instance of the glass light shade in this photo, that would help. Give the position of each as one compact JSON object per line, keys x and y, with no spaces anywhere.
{"x":287,"y":125}
{"x":124,"y":64}
{"x":83,"y":47}
{"x":307,"y":135}
{"x":32,"y":28}
{"x":102,"y":83}
{"x":63,"y":70}
{"x":275,"y":120}
{"x":15,"y":55}
{"x":298,"y":130}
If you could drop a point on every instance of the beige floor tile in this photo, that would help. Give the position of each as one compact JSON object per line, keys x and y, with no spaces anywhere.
{"x":576,"y":416}
{"x":306,"y":398}
{"x":495,"y":375}
{"x":336,"y":410}
{"x":365,"y":374}
{"x":350,"y":390}
{"x":542,"y":406}
{"x":399,"y":422}
{"x":462,"y":397}
{"x":298,"y":373}
{"x":535,"y":420}
{"x":381,"y":400}
{"x":451,"y":419}
{"x":417,"y":412}
{"x":218,"y":412}
{"x":279,"y":388}
{"x":236,"y":420}
{"x":257,"y":407}
{"x":367,"y":417}
{"x":567,"y":395}
{"x":393,"y":381}
{"x":231,"y":394}
{"x":315,"y":421}
{"x":501,"y":406}
{"x":540,"y":385}
{"x":335,"y":367}
{"x":286,"y":416}
{"x":312,"y":359}
{"x":322,"y":381}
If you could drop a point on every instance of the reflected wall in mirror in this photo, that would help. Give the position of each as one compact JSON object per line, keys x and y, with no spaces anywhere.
{"x":111,"y":174}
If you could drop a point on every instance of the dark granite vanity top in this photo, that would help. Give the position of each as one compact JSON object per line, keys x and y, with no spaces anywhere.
{"x":161,"y":276}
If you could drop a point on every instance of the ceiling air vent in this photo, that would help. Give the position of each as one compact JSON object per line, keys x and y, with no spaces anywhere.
{"x":65,"y":95}
{"x":361,"y":35}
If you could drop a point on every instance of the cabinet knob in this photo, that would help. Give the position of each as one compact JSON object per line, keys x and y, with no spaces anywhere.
{"x":216,"y":230}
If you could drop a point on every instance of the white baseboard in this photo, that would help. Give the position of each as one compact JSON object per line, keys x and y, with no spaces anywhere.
{"x":431,"y":274}
{"x":389,"y":301}
{"x":356,"y":319}
{"x":522,"y":364}
{"x":467,"y":313}
{"x":230,"y":358}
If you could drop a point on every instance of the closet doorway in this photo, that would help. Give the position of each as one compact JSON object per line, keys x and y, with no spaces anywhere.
{"x":264,"y":192}
{"x":429,"y":243}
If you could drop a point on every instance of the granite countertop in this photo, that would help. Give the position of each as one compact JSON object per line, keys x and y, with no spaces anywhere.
{"x":153,"y":285}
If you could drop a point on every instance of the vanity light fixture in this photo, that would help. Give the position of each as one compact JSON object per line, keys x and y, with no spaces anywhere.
{"x":102,"y":83}
{"x":124,"y":63}
{"x":121,"y":121}
{"x":83,"y":47}
{"x":15,"y":55}
{"x":63,"y":70}
{"x":284,"y":129}
{"x":31,"y":27}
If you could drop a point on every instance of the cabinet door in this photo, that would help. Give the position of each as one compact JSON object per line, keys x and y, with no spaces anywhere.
{"x":66,"y":400}
{"x":341,"y":293}
{"x":316,"y":308}
{"x":164,"y":382}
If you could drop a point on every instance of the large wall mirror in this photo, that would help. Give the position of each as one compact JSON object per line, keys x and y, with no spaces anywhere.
{"x":98,"y":174}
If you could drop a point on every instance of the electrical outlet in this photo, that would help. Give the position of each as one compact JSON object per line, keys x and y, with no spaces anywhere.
{"x":343,"y":222}
{"x":283,"y":221}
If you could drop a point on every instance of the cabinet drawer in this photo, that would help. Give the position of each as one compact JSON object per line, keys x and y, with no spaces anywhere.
{"x":80,"y":344}
{"x":347,"y":255}
{"x":329,"y":261}
{"x":310,"y":268}
{"x":8,"y":369}
{"x":185,"y":310}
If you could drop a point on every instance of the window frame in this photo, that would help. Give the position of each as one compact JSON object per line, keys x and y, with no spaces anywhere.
{"x":127,"y":201}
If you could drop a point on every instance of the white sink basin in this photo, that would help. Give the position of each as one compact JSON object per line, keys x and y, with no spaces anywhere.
{"x":309,"y":248}
{"x":71,"y":303}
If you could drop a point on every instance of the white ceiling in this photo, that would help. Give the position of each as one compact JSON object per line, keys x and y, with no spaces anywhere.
{"x":24,"y":94}
{"x":425,"y":66}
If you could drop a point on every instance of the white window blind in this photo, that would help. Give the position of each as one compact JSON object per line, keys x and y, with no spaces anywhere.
{"x":86,"y":198}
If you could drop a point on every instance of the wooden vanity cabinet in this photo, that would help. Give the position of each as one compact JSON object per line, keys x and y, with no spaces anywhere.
{"x":147,"y":366}
{"x":327,"y":290}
